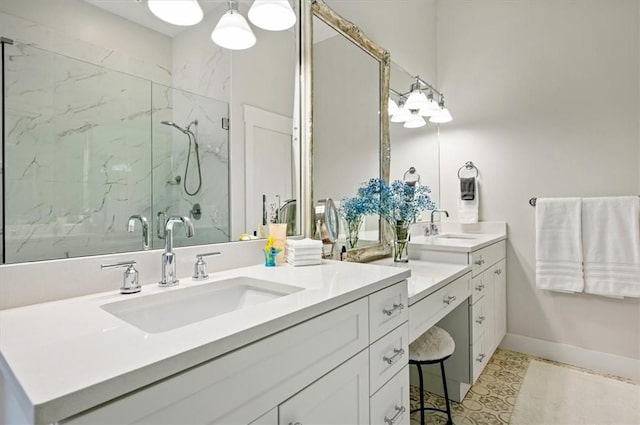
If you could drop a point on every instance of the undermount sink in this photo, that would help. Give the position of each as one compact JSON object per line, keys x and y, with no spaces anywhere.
{"x":171,"y":310}
{"x":457,"y":236}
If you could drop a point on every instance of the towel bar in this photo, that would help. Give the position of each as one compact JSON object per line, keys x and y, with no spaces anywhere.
{"x":533,"y":201}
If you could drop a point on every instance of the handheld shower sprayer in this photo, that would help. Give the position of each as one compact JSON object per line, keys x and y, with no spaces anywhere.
{"x":192,"y":137}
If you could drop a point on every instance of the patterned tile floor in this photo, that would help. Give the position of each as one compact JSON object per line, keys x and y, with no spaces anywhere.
{"x":491,"y":400}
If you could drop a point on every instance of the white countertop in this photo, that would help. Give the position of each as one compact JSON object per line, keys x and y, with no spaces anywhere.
{"x":66,"y":356}
{"x":467,"y":242}
{"x":427,"y":277}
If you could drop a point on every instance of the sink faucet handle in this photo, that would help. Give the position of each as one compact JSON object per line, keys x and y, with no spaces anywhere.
{"x":200,"y":268}
{"x":130,"y":280}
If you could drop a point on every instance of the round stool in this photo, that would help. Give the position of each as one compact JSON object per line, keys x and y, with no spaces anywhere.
{"x":434,"y":346}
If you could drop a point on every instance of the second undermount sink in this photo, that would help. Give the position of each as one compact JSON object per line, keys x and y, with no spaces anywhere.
{"x":465,"y":236}
{"x":173,"y":309}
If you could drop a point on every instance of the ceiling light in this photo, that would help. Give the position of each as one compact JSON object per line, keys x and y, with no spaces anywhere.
{"x":233,"y":31}
{"x":177,"y":12}
{"x":272,"y":15}
{"x":415,"y":120}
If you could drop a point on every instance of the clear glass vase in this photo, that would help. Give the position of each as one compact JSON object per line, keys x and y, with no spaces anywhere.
{"x":401,"y":241}
{"x":353,"y":230}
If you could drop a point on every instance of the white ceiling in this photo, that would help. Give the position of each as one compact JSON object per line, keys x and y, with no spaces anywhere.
{"x":138,"y":12}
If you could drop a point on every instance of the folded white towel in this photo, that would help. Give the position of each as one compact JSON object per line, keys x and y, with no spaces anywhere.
{"x":304,"y":243}
{"x":468,"y":210}
{"x":559,"y":245}
{"x":611,"y":238}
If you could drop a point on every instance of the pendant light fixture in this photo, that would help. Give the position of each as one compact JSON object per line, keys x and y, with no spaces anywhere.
{"x":415,"y":120}
{"x":232,"y":31}
{"x":402,"y":114}
{"x":415,"y":104}
{"x":272,"y":15}
{"x":443,"y":115}
{"x":177,"y":12}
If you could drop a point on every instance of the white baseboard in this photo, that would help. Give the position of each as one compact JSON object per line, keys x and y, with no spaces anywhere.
{"x":594,"y":360}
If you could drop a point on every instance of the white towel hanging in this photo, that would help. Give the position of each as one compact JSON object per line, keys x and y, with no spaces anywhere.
{"x":559,"y":245}
{"x":611,"y":239}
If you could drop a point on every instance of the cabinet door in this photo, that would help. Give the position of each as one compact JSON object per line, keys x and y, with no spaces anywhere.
{"x":339,"y":398}
{"x":489,"y":310}
{"x":500,"y":301}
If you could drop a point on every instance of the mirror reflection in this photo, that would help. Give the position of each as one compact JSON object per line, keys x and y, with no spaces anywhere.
{"x":139,"y":118}
{"x":346,"y":123}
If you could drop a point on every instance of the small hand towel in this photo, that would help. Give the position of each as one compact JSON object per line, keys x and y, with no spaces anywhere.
{"x":468,"y":210}
{"x":611,"y":238}
{"x":467,"y":188}
{"x":559,"y":244}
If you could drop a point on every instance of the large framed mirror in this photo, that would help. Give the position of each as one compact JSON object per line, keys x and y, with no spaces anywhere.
{"x":109,"y":113}
{"x":349,"y":125}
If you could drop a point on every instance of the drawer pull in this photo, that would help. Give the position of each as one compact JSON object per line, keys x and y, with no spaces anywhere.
{"x":480,"y":319}
{"x":449,"y":299}
{"x":498,"y":272}
{"x":480,"y":287}
{"x":399,"y":411}
{"x":480,"y":358}
{"x":398,"y":352}
{"x":396,"y":307}
{"x":480,"y":262}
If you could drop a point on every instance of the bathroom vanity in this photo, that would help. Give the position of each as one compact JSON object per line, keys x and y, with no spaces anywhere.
{"x":324,"y":344}
{"x":479,"y":330}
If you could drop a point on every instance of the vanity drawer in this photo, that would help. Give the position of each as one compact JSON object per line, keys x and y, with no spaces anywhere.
{"x":388,"y":308}
{"x":387,"y":356}
{"x":478,"y":288}
{"x":479,"y":318}
{"x":480,"y":357}
{"x":428,"y":311}
{"x":482,"y":259}
{"x":390,"y":405}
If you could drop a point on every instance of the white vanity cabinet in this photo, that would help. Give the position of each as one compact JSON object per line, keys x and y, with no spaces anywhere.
{"x":487,"y":320}
{"x":325,"y":370}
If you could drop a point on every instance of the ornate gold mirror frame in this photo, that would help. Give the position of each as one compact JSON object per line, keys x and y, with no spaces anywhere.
{"x":320,"y":10}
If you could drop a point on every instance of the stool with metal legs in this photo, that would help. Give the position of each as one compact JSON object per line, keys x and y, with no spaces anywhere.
{"x":434,"y":346}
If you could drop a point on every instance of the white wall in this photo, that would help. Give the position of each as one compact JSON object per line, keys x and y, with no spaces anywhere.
{"x":545,"y":98}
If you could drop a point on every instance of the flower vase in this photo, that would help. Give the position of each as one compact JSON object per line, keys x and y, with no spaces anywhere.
{"x":401,"y":241}
{"x":353,"y":231}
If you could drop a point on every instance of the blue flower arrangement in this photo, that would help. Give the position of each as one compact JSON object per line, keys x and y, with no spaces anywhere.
{"x":353,"y":210}
{"x":397,"y":202}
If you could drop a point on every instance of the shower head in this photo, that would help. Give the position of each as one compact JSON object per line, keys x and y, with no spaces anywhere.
{"x":172,"y":124}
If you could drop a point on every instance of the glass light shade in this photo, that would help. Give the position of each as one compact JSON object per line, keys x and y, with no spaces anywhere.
{"x":392,"y":108}
{"x":431,"y":108}
{"x":417,"y":100}
{"x":177,"y":12}
{"x":272,"y":15}
{"x":442,"y":116}
{"x":415,"y":120}
{"x":233,"y":32}
{"x":401,"y":115}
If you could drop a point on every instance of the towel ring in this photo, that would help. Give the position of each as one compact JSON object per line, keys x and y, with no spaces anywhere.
{"x":469,"y":166}
{"x":411,"y":177}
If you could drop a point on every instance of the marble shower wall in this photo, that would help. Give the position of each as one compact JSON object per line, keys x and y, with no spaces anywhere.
{"x":80,"y":158}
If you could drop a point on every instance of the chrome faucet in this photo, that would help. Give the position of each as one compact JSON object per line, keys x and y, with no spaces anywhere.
{"x":131,"y":226}
{"x":432,"y":230}
{"x":168,"y":257}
